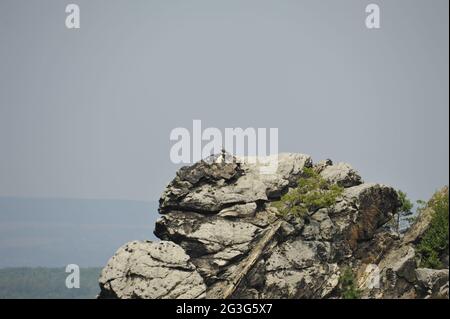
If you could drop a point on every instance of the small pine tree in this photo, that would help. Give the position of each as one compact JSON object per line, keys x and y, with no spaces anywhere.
{"x":312,"y":193}
{"x":405,"y":208}
{"x":347,"y":285}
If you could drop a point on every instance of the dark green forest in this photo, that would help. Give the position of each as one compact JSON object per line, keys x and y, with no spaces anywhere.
{"x":47,"y":283}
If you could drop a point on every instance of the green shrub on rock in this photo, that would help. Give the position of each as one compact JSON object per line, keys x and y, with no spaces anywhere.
{"x":434,"y":242}
{"x":406,"y":204}
{"x":312,"y":193}
{"x":347,"y":285}
{"x":405,"y":209}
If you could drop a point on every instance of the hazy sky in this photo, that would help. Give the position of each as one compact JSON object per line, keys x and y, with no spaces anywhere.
{"x":87,"y":113}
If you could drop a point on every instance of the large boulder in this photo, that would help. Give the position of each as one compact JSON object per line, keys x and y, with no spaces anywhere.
{"x":151,"y":270}
{"x":433,"y":283}
{"x":219,"y":219}
{"x":342,"y":174}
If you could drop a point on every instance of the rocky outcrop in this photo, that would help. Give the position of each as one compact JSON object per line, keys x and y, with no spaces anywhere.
{"x":399,"y":261}
{"x":222,"y":238}
{"x":342,"y":174}
{"x":422,"y":222}
{"x":432,"y":283}
{"x":151,"y":270}
{"x":209,"y":187}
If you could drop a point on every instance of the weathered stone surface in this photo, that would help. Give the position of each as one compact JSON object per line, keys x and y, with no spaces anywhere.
{"x":372,"y":251}
{"x":342,"y":174}
{"x":317,"y":282}
{"x":321,"y":165}
{"x":244,"y":210}
{"x":213,"y":234}
{"x":362,"y":210}
{"x":212,"y":241}
{"x":433,"y":283}
{"x":401,"y":261}
{"x":396,"y":261}
{"x":222,"y":238}
{"x":212,"y":187}
{"x":298,"y":269}
{"x":151,"y":270}
{"x":327,"y":228}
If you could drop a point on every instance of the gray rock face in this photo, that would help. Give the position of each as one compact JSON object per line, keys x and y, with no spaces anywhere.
{"x":244,"y":210}
{"x":397,"y":272}
{"x":222,"y":238}
{"x":211,"y":187}
{"x":151,"y":270}
{"x":363,"y":210}
{"x":212,"y":241}
{"x":397,"y":262}
{"x":433,"y":283}
{"x":342,"y":174}
{"x":300,"y":269}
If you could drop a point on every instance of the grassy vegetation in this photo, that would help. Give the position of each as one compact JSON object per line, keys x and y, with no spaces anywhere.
{"x":312,"y":193}
{"x":347,"y":285}
{"x":46,"y":283}
{"x":434,"y":242}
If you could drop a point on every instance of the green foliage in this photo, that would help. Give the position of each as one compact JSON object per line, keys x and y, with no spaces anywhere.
{"x":312,"y":193}
{"x":405,"y":209}
{"x":435,"y":240}
{"x":347,"y":285}
{"x":47,"y":283}
{"x":411,"y":219}
{"x":406,"y":205}
{"x":421,"y":204}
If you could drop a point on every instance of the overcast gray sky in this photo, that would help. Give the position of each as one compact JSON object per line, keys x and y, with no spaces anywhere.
{"x":87,"y":113}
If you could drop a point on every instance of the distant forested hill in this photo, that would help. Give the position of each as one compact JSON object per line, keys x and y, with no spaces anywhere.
{"x":47,"y":283}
